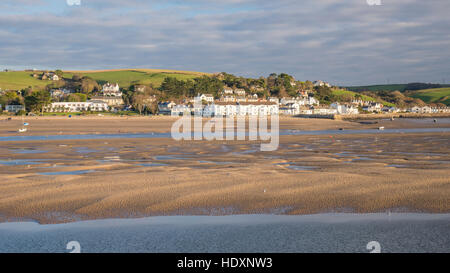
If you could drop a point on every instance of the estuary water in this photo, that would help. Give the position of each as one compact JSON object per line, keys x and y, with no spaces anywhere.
{"x":332,"y":232}
{"x":168,"y":135}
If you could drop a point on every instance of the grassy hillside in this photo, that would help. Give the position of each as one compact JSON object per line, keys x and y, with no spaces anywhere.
{"x":21,"y":79}
{"x":345,"y":93}
{"x":16,"y":80}
{"x":441,"y":95}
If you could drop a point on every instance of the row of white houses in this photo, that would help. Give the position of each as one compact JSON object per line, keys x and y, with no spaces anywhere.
{"x":92,"y":105}
{"x":334,"y":109}
{"x":304,"y":100}
{"x":428,"y":110}
{"x":224,"y":109}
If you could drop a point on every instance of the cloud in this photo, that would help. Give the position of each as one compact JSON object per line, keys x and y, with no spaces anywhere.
{"x":343,"y":42}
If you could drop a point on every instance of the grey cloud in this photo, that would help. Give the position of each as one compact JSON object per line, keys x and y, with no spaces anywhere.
{"x":343,"y":42}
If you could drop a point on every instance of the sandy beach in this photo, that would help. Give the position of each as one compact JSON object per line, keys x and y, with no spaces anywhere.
{"x":57,"y":181}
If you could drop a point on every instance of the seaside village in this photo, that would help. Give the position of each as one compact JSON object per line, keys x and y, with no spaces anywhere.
{"x":231,"y":102}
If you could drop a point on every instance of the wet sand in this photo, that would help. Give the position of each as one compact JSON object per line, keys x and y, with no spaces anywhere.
{"x":71,"y":180}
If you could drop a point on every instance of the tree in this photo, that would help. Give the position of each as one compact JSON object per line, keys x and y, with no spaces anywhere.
{"x":56,"y":85}
{"x":174,"y":88}
{"x":138,"y":102}
{"x":77,"y":97}
{"x":37,"y":101}
{"x":309,"y":85}
{"x":59,"y":73}
{"x":153,"y":108}
{"x":208,"y":85}
{"x":76,"y":78}
{"x":88,"y":85}
{"x":324,"y":94}
{"x":11,"y":97}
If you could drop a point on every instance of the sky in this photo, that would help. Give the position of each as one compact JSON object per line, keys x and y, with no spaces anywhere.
{"x":344,"y":42}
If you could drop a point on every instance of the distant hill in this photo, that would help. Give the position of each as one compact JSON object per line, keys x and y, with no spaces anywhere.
{"x":395,"y":87}
{"x":436,"y":95}
{"x":375,"y":88}
{"x":17,"y":80}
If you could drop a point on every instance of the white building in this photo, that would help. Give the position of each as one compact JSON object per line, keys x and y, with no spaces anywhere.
{"x":241,"y":109}
{"x":324,"y":111}
{"x":321,"y":83}
{"x":300,"y":100}
{"x":181,"y":109}
{"x":59,"y":93}
{"x":92,"y":105}
{"x":290,"y":109}
{"x":111,"y":90}
{"x":241,"y":99}
{"x":373,"y":107}
{"x":14,"y":108}
{"x":51,"y":76}
{"x":165,"y":108}
{"x":204,"y":97}
{"x":344,"y":109}
{"x":253,"y":98}
{"x":274,"y":99}
{"x":239,"y":92}
{"x":111,"y":101}
{"x":227,"y":91}
{"x":421,"y":110}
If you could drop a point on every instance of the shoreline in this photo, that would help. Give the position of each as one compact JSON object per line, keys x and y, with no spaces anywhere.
{"x":322,"y":217}
{"x":394,"y":115}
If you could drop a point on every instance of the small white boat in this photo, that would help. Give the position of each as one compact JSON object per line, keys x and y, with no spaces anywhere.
{"x":381,"y":128}
{"x":26,"y":124}
{"x":22,"y":130}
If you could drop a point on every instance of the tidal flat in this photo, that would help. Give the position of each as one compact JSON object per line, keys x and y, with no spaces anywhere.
{"x":67,"y":180}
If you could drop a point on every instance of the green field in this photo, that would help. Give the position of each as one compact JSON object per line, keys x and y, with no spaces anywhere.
{"x":342,"y":93}
{"x":441,"y":95}
{"x":16,"y":80}
{"x":125,"y":78}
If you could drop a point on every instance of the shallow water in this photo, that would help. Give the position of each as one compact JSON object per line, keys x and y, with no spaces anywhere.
{"x":28,"y":151}
{"x":85,"y":150}
{"x":19,"y":162}
{"x":68,"y":173}
{"x":168,"y":135}
{"x":153,"y":164}
{"x":170,"y":157}
{"x":396,"y":232}
{"x":428,"y":120}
